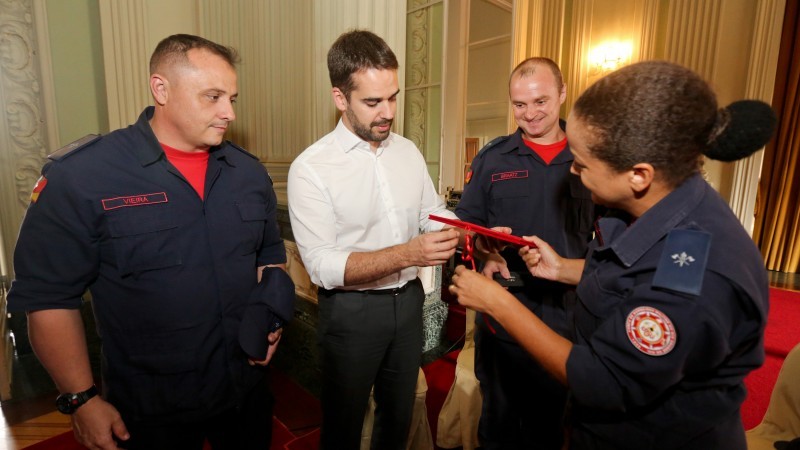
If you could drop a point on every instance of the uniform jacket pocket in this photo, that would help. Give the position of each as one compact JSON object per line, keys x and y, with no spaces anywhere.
{"x":143,"y":239}
{"x":254,"y":218}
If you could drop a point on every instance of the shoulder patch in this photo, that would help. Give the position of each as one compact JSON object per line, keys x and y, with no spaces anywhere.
{"x":242,"y":150}
{"x":492,"y":143}
{"x":682,"y":265}
{"x":72,"y":147}
{"x":650,"y":331}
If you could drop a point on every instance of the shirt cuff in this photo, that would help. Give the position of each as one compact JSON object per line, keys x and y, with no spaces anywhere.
{"x":330,"y":274}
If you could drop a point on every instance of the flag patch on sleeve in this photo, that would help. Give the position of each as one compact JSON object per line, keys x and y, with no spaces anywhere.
{"x":38,"y":188}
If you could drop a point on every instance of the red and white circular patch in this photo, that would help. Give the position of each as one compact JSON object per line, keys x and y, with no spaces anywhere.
{"x":650,"y":331}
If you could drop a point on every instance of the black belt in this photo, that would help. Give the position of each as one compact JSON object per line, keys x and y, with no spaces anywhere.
{"x":392,"y":291}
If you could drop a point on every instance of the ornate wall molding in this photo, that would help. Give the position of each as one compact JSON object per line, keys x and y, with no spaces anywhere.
{"x":417,"y":79}
{"x":25,"y":141}
{"x":23,"y":137}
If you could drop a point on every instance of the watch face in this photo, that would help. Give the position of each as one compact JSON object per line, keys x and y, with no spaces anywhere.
{"x":67,"y":403}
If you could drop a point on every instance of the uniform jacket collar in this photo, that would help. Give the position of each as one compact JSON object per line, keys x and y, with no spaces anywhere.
{"x":151,"y":153}
{"x":631,"y":242}
{"x":522,"y":149}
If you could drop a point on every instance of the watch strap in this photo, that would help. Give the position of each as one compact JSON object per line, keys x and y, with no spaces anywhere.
{"x":68,"y":403}
{"x":87,"y":395}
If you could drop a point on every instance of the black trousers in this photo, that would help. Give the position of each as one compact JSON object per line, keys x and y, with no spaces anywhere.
{"x":369,"y":339}
{"x":247,"y":428}
{"x":523,"y":406}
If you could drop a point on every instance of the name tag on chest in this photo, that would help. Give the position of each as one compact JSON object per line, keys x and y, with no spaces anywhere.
{"x":503,"y":176}
{"x":134,"y":200}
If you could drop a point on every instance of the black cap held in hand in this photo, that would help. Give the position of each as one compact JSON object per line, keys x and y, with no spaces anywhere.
{"x":271,"y":300}
{"x":750,"y":126}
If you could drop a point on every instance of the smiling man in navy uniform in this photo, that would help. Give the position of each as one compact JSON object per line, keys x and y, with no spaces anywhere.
{"x":170,"y":228}
{"x":523,"y":181}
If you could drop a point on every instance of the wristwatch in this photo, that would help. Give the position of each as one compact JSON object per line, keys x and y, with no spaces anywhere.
{"x":68,"y":403}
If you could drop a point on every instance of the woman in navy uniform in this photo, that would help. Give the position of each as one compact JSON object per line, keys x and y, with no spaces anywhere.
{"x":673,"y":295}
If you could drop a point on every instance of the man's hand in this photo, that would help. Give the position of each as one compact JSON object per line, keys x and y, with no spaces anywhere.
{"x":494,"y":263}
{"x":491,"y":245}
{"x":273,"y":340}
{"x":96,"y":423}
{"x":432,"y":249}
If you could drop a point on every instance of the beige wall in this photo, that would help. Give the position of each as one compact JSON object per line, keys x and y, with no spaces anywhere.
{"x":76,"y":54}
{"x":712,"y":37}
{"x":731,"y":43}
{"x":98,"y":74}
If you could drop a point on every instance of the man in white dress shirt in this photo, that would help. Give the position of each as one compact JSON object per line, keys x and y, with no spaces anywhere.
{"x":358,"y":199}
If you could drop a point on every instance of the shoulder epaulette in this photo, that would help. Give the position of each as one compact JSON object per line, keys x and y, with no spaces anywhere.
{"x":492,"y":143}
{"x":683,"y":261}
{"x":242,"y":150}
{"x":72,"y":147}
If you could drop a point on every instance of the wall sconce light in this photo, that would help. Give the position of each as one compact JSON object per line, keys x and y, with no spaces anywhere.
{"x":609,"y":56}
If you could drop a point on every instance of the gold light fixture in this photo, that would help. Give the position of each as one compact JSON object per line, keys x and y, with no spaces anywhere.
{"x":609,"y":56}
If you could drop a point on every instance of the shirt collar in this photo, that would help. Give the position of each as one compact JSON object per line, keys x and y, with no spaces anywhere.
{"x":349,"y":140}
{"x":631,"y":242}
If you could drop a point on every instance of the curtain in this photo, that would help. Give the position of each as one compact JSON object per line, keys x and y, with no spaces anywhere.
{"x":777,"y":222}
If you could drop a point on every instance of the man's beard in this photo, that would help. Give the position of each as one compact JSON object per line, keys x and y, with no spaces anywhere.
{"x":366,"y":133}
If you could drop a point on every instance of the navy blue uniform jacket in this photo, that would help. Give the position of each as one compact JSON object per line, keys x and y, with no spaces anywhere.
{"x":670,"y":320}
{"x":169,"y":273}
{"x":512,"y":186}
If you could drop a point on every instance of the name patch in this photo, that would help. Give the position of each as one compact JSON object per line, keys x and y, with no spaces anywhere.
{"x":509,"y":175}
{"x":134,"y":200}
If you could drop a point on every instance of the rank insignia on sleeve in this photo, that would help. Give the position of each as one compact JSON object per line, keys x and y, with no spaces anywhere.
{"x":650,"y":331}
{"x":40,"y":184}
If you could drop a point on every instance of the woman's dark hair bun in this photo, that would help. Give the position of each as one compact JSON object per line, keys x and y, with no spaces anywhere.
{"x":742,"y":128}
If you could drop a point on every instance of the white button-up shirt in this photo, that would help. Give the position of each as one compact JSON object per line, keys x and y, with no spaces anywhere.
{"x":344,"y":198}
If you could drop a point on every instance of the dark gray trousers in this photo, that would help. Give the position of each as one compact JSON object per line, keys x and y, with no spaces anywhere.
{"x":369,"y":339}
